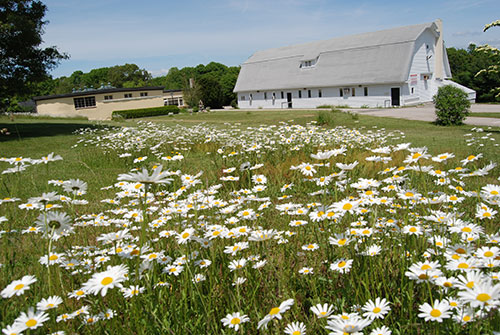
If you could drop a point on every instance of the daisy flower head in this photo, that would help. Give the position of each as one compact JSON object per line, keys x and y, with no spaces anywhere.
{"x":295,"y":328}
{"x":377,"y":309}
{"x":484,"y":212}
{"x":352,"y":324}
{"x":234,"y":320}
{"x":310,"y":247}
{"x":49,"y":303}
{"x":347,"y":167}
{"x":129,"y":292}
{"x":275,"y":313}
{"x":18,"y":287}
{"x":347,"y":205}
{"x":103,"y":281}
{"x":482,"y":294}
{"x":341,"y":265}
{"x":173,"y":270}
{"x":307,"y":169}
{"x":306,"y":271}
{"x":322,"y":311}
{"x":185,"y":236}
{"x":31,"y":320}
{"x":437,"y":312}
{"x":381,"y":331}
{"x":470,"y":158}
{"x":15,"y":329}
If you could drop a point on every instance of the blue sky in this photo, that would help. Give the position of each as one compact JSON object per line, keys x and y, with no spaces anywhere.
{"x":157,"y":35}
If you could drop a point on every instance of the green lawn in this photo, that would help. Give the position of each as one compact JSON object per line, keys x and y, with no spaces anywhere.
{"x":493,"y":115}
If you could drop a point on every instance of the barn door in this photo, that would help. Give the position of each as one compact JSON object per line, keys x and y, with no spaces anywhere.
{"x":289,"y":99}
{"x":395,"y":96}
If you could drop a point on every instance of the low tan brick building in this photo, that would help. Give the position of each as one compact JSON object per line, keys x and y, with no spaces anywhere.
{"x":99,"y":104}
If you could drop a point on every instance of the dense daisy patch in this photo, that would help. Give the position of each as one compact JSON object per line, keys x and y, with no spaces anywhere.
{"x":273,"y":229}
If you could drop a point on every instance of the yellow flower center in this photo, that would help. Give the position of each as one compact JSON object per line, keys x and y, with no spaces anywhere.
{"x":423,"y":276}
{"x":425,"y":267}
{"x":447,"y":284}
{"x":79,"y":292}
{"x":106,"y":281}
{"x":347,"y":207}
{"x":488,"y":254}
{"x":409,"y":194}
{"x":274,"y":311}
{"x":436,"y":313}
{"x":342,"y":241}
{"x":486,"y":214}
{"x":460,"y":251}
{"x":467,"y":318}
{"x":453,"y":198}
{"x":31,"y":323}
{"x":53,"y":257}
{"x":470,"y":284}
{"x":483,"y":297}
{"x":341,"y":264}
{"x":413,"y":229}
{"x":235,"y":321}
{"x":18,"y":287}
{"x":376,"y":310}
{"x":185,"y":235}
{"x":494,"y":192}
{"x":297,"y":332}
{"x":463,"y":266}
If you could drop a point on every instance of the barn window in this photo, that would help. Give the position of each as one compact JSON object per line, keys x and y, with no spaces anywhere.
{"x":108,"y":97}
{"x":320,"y":94}
{"x":87,"y":102}
{"x":341,"y":91}
{"x":308,"y":93}
{"x":242,"y":98}
{"x":353,"y":92}
{"x":265,"y":95}
{"x":366,"y":91}
{"x":144,"y":94}
{"x":300,"y":94}
{"x":282,"y":95}
{"x":127,"y":95}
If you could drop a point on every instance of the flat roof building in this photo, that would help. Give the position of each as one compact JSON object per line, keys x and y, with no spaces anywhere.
{"x":99,"y":104}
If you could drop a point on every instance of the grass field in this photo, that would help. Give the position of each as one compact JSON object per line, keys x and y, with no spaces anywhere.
{"x":493,"y":115}
{"x":254,"y":222}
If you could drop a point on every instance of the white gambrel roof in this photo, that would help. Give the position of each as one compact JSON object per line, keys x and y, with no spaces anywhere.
{"x":370,"y":58}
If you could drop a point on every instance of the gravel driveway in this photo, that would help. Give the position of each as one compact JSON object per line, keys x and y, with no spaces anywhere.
{"x":426,"y":113}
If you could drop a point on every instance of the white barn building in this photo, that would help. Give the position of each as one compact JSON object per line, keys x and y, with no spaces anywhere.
{"x":394,"y":67}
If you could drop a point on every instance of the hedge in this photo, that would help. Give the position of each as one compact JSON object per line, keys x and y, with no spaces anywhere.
{"x":144,"y":112}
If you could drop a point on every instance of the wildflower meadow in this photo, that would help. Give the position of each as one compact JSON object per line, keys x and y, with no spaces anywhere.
{"x":149,"y":228}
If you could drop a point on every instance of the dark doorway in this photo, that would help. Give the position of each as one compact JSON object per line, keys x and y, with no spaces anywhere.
{"x":289,"y":99}
{"x":395,"y":96}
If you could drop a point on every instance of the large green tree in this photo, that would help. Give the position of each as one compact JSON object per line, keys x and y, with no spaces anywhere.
{"x":23,"y":61}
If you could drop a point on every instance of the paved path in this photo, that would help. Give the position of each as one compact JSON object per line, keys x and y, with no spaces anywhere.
{"x":426,"y":113}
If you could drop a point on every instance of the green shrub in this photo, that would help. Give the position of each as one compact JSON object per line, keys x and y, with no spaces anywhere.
{"x":324,"y":106}
{"x":145,"y":112}
{"x":452,"y":105}
{"x":327,"y":118}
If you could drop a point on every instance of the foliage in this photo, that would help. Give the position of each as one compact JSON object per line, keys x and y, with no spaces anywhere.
{"x":22,"y":61}
{"x":211,"y":92}
{"x":492,"y":24}
{"x":452,"y":105}
{"x":145,"y":112}
{"x":468,"y":69}
{"x":327,"y":117}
